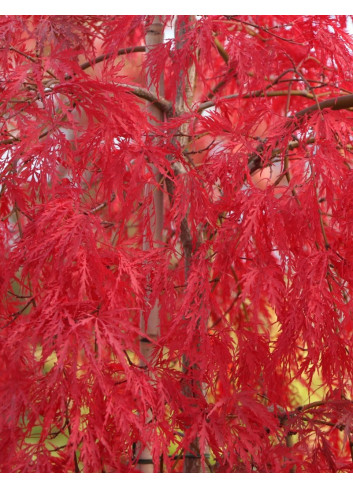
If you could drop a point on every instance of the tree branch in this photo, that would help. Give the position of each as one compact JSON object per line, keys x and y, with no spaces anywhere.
{"x":258,"y":93}
{"x":160,"y":102}
{"x":316,"y":404}
{"x":221,"y":50}
{"x":335,"y":103}
{"x":103,"y":57}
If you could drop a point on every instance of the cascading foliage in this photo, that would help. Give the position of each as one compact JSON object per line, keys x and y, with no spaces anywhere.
{"x":250,"y":281}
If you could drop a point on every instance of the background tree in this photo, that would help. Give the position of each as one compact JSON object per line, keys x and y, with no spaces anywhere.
{"x":176,"y":262}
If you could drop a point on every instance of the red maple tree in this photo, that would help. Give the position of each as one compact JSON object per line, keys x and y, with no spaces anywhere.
{"x":176,"y":251}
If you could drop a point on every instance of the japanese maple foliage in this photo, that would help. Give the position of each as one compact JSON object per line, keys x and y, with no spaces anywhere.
{"x":176,"y":252}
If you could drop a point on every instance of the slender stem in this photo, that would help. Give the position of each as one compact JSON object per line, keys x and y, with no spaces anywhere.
{"x":350,"y":440}
{"x":255,"y":159}
{"x":322,"y":227}
{"x":18,"y":313}
{"x":267,"y":31}
{"x":219,"y":85}
{"x":25,"y":55}
{"x":226,"y":311}
{"x":30,"y":58}
{"x":323,"y":422}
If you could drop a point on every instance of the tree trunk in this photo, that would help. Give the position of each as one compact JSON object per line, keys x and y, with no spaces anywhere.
{"x":185,"y":92}
{"x":154,"y":36}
